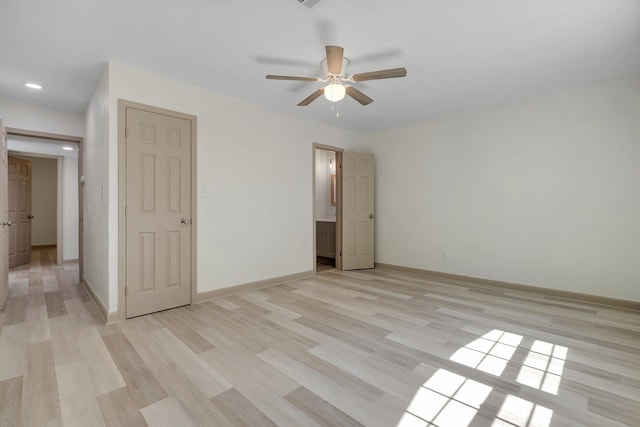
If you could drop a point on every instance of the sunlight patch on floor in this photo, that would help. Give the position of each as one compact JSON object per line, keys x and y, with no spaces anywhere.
{"x":542,"y":369}
{"x":522,"y":413}
{"x":491,"y":353}
{"x":448,"y":399}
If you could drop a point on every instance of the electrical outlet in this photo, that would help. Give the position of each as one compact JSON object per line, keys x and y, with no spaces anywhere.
{"x":207,"y":194}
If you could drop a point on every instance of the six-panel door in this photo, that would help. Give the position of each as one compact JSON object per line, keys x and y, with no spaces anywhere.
{"x":19,"y":206}
{"x":158,"y":212}
{"x":357,"y":211}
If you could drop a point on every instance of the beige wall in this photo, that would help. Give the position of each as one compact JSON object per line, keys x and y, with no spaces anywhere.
{"x":44,"y":200}
{"x":256,"y":162}
{"x":26,"y":116}
{"x":96,"y":196}
{"x":70,"y":221}
{"x":543,"y":191}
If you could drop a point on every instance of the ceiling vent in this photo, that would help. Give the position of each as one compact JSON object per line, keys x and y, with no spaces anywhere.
{"x":309,"y":3}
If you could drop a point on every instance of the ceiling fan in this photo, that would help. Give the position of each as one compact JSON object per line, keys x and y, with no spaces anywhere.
{"x":334,"y":67}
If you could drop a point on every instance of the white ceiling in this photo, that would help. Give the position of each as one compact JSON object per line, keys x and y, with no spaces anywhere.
{"x":459,"y":54}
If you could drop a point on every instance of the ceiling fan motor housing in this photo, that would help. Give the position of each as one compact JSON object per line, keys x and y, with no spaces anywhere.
{"x":309,"y":3}
{"x":343,"y":71}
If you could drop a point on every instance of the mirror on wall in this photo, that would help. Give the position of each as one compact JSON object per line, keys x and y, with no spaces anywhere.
{"x":333,"y":190}
{"x":326,"y":185}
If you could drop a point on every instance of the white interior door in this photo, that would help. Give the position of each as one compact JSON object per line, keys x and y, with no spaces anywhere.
{"x":19,"y":204}
{"x":4,"y":218}
{"x":357,"y":211}
{"x":158,"y":212}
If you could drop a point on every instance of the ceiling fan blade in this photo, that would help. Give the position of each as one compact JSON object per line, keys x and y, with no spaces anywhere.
{"x":358,"y":96}
{"x":297,"y":78}
{"x":309,"y":99}
{"x":270,"y":60}
{"x":382,"y":74}
{"x":334,"y":59}
{"x":299,"y":87}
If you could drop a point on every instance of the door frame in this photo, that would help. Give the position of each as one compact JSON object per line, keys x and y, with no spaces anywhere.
{"x":122,"y":198}
{"x":4,"y":198}
{"x":64,"y":138}
{"x":338,"y":151}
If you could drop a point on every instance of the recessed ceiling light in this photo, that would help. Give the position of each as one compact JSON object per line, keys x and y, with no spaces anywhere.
{"x":33,"y":85}
{"x":67,"y":148}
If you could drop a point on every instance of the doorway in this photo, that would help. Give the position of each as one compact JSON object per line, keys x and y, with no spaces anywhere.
{"x":55,"y":209}
{"x":343,"y":209}
{"x":327,"y":176}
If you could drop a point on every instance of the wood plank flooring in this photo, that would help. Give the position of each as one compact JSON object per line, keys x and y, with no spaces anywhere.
{"x":373,"y":348}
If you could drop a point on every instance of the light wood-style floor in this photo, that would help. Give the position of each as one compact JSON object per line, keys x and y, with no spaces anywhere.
{"x":375,"y":348}
{"x":325,"y":264}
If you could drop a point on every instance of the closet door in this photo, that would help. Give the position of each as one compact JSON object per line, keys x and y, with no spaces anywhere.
{"x":4,"y":219}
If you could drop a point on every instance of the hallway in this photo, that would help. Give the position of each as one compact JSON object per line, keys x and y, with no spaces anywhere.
{"x":46,"y":310}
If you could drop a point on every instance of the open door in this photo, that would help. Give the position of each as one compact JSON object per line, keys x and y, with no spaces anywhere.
{"x":357,"y":211}
{"x":19,"y":204}
{"x":4,"y":219}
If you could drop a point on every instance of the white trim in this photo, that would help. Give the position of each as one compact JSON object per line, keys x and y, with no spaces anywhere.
{"x":107,"y":318}
{"x":59,"y":222}
{"x":252,"y":286}
{"x":478,"y":282}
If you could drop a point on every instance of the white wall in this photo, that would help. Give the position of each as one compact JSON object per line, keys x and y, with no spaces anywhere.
{"x":544,"y":191}
{"x":70,"y":224}
{"x":96,"y":197}
{"x":26,"y":116}
{"x":50,"y":148}
{"x":44,"y":200}
{"x":258,"y":225}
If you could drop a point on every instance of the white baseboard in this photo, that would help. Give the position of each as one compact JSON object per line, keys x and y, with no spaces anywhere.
{"x":251,"y":286}
{"x":469,"y":281}
{"x":107,"y":318}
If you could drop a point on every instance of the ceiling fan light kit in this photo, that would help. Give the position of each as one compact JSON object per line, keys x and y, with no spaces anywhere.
{"x":334,"y":67}
{"x":334,"y":92}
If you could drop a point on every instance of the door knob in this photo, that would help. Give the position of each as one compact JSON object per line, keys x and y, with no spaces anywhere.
{"x":7,"y":224}
{"x":185,"y":221}
{"x":30,"y":216}
{"x":370,"y":216}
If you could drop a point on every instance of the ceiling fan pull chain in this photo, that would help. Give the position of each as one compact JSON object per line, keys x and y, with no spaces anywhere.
{"x":335,"y":106}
